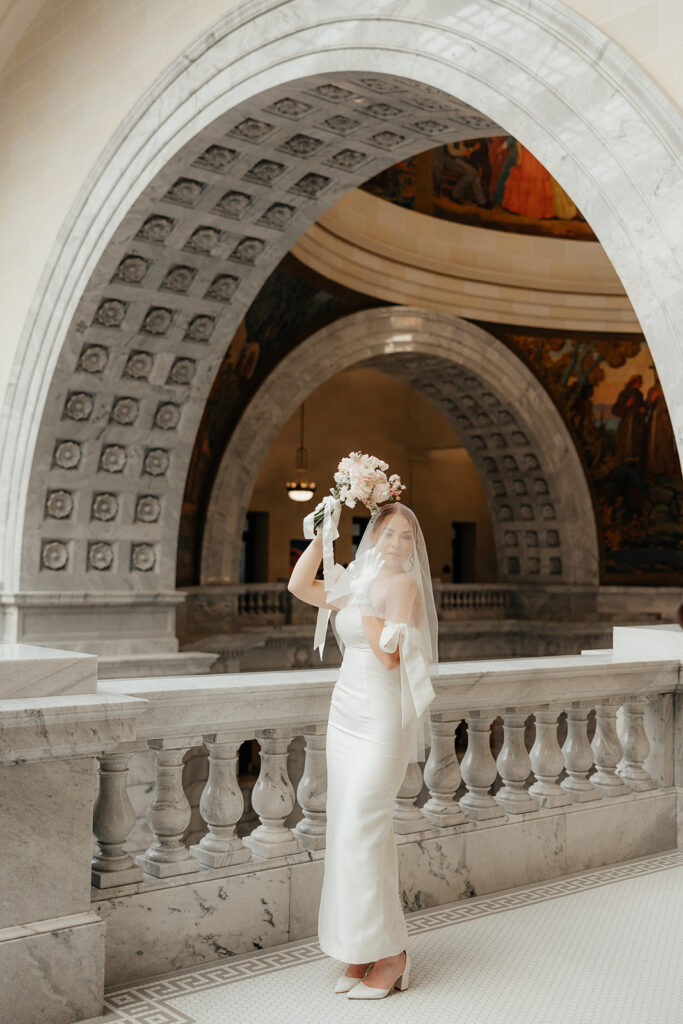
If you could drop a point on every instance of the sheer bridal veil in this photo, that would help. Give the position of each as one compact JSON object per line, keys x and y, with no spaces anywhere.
{"x":389,"y":579}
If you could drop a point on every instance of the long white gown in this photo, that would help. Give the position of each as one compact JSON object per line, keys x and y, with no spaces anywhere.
{"x":360,"y":917}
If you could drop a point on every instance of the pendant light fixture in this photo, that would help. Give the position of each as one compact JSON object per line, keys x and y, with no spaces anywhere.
{"x":301,"y":488}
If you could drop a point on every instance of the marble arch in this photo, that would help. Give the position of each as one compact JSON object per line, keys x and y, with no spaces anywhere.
{"x":539,"y":499}
{"x":154,"y":267}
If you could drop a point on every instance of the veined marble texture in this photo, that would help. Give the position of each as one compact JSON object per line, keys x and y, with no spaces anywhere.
{"x":160,"y":925}
{"x":208,"y":919}
{"x":31,"y":671}
{"x":44,"y":728}
{"x":53,"y":972}
{"x":45,"y":824}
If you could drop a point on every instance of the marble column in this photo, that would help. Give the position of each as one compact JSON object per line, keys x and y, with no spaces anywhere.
{"x":169,"y":814}
{"x":273,"y":797}
{"x":547,"y":761}
{"x":635,"y":746}
{"x":442,"y":777}
{"x":407,"y":817}
{"x":514,"y":766}
{"x":221,"y":805}
{"x":479,"y":769}
{"x":607,"y":752}
{"x":578,"y":756}
{"x":113,"y":821}
{"x":312,"y":789}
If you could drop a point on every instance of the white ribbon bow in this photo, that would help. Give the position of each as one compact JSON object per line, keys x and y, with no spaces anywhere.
{"x":417,"y":691}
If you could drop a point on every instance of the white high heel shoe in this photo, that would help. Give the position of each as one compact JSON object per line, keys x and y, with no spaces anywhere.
{"x":363,"y":991}
{"x":345,"y":984}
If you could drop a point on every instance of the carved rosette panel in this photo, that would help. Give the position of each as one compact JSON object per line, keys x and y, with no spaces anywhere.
{"x":174,"y":283}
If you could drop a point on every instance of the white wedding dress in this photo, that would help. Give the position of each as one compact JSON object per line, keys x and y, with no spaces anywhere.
{"x":360,"y":917}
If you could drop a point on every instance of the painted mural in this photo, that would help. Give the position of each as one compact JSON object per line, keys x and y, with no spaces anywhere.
{"x":494,"y":183}
{"x":608,"y":391}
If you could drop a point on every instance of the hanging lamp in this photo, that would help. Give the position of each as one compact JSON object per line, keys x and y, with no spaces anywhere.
{"x":301,"y":488}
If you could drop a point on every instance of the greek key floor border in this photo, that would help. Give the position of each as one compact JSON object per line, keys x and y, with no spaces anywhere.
{"x":146,"y":1002}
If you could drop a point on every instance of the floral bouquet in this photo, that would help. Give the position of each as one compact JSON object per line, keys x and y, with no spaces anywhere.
{"x":362,"y":478}
{"x":359,"y":478}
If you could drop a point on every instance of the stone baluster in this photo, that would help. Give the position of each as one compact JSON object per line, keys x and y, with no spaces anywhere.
{"x":547,"y":761}
{"x":607,"y":751}
{"x":479,"y":769}
{"x":514,"y":766}
{"x":312,"y":790}
{"x":635,"y":746}
{"x":442,"y":776}
{"x":273,"y":797}
{"x":221,"y":804}
{"x":578,"y":756}
{"x":113,"y":821}
{"x":169,"y":814}
{"x":407,"y":817}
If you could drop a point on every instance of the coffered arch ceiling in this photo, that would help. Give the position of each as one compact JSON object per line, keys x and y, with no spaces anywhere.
{"x":542,"y":512}
{"x":168,"y":294}
{"x":244,"y":142}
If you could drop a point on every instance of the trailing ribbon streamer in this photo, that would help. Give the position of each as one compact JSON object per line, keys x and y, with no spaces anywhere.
{"x":330,"y":575}
{"x":329,"y":533}
{"x":417,"y":691}
{"x":323,"y":618}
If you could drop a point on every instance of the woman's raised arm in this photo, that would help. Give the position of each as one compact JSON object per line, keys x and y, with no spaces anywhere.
{"x":302,"y":582}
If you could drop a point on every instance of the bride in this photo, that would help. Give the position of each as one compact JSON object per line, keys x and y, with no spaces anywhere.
{"x":386,"y":627}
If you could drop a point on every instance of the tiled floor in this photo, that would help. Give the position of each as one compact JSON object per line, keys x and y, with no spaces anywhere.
{"x":600,"y":947}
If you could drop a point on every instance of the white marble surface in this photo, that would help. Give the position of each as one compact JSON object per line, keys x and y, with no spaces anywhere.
{"x":30,"y":671}
{"x":660,"y":641}
{"x":46,"y":825}
{"x":481,"y":860}
{"x":181,"y":923}
{"x":562,"y":950}
{"x":207,"y":919}
{"x":40,"y":728}
{"x":53,"y":974}
{"x":297,"y":697}
{"x":623,"y":828}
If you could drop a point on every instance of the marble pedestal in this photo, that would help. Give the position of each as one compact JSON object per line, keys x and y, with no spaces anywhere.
{"x":51,"y":941}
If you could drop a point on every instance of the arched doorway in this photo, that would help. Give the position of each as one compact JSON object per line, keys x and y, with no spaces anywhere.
{"x":143,"y":291}
{"x":528,"y":465}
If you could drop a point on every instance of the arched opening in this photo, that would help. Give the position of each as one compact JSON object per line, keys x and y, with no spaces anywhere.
{"x":367,"y":407}
{"x":544,"y":529}
{"x":184,"y":218}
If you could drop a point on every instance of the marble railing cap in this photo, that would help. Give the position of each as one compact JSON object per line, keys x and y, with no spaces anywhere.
{"x":80,"y":725}
{"x":31,"y":671}
{"x":191,"y":705}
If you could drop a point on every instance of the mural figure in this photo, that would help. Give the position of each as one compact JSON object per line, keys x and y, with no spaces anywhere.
{"x":493,"y":182}
{"x":660,"y":453}
{"x":630,"y":434}
{"x":624,"y":435}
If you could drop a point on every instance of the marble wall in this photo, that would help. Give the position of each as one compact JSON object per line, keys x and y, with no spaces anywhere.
{"x":157,"y":927}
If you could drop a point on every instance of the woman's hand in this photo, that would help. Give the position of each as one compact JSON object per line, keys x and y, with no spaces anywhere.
{"x":360,"y":587}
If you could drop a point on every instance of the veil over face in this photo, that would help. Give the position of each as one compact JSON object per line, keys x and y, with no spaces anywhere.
{"x":393,"y":553}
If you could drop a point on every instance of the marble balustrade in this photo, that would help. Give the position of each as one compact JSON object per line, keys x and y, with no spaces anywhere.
{"x":596,"y":693}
